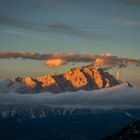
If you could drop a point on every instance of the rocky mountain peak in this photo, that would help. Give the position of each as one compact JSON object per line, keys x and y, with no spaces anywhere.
{"x":85,"y":78}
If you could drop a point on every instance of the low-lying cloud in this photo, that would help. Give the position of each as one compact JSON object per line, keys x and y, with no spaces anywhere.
{"x":58,"y":59}
{"x":116,"y":97}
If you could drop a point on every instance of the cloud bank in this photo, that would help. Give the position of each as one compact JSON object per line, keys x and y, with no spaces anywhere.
{"x":58,"y":59}
{"x":117,"y":97}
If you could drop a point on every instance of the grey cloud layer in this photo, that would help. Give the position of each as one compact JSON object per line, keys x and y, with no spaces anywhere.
{"x":117,"y":97}
{"x":135,"y":2}
{"x":73,"y":2}
{"x":127,"y":21}
{"x":52,"y":27}
{"x":105,"y":60}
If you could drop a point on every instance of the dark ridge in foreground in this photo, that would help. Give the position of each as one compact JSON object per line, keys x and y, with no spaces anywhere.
{"x":85,"y":78}
{"x":130,"y":132}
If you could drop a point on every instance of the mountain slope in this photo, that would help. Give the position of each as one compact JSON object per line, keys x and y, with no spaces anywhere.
{"x":130,"y":132}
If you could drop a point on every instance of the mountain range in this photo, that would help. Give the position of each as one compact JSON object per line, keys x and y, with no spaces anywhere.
{"x":84,"y":78}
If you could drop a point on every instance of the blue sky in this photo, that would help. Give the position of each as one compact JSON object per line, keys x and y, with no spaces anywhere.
{"x":81,"y":26}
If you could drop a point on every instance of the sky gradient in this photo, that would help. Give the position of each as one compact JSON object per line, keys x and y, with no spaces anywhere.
{"x":79,"y":26}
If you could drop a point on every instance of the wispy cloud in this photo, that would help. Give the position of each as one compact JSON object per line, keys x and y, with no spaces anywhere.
{"x":15,"y":32}
{"x":57,"y":59}
{"x":56,"y":2}
{"x":56,"y":27}
{"x":134,"y":2}
{"x":128,"y":21}
{"x":134,"y":23}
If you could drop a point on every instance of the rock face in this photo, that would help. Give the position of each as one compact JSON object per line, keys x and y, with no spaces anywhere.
{"x":30,"y":82}
{"x":77,"y":78}
{"x":46,"y":80}
{"x":85,"y":78}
